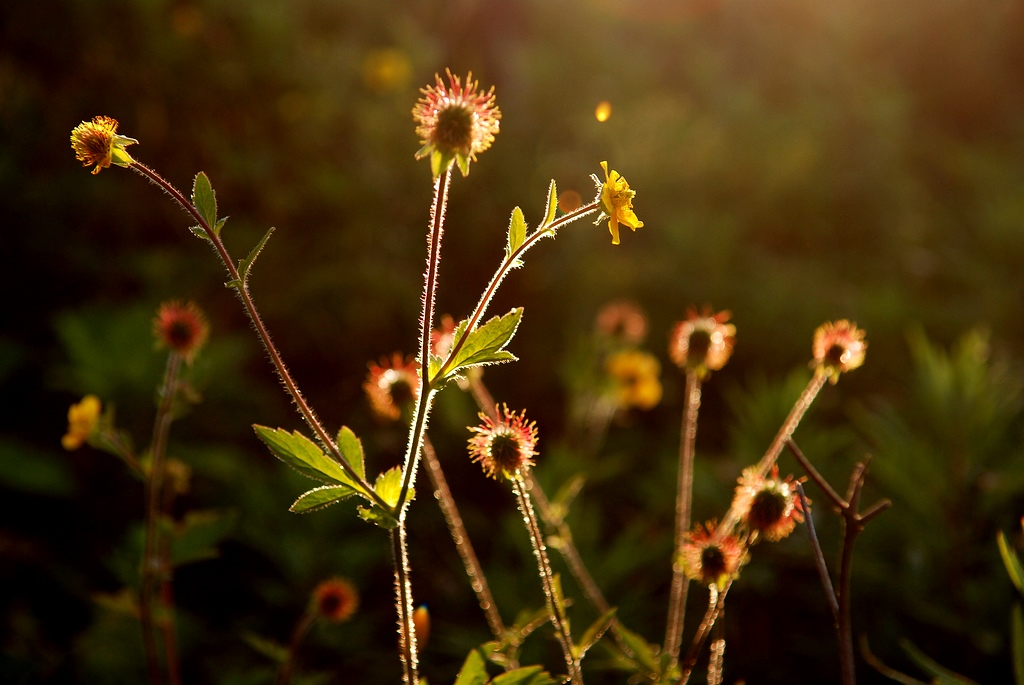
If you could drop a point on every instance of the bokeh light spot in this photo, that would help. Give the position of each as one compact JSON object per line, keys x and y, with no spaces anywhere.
{"x":603,"y":111}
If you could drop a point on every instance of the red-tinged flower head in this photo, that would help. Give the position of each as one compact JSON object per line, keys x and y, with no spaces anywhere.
{"x":335,"y":599}
{"x":455,"y":122}
{"x":703,"y":342}
{"x":838,"y":347}
{"x":393,"y":385}
{"x":83,"y":421}
{"x":770,"y":507}
{"x":97,"y":142}
{"x":623,"y":322}
{"x":708,"y":560}
{"x":506,"y":446}
{"x":634,"y":374}
{"x":181,"y":328}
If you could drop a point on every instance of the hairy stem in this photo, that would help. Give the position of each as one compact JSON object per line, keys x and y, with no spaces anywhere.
{"x":684,"y":499}
{"x":477,"y":579}
{"x":153,"y":562}
{"x":261,"y":330}
{"x":284,"y":674}
{"x":551,"y":596}
{"x":716,"y":603}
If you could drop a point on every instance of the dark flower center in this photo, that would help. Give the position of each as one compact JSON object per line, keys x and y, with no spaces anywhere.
{"x":835,"y":354}
{"x":700,"y":343}
{"x":766,"y":510}
{"x":180,"y":334}
{"x":506,"y":452}
{"x":330,"y":604}
{"x":712,"y":562}
{"x":454,"y":130}
{"x":401,"y":392}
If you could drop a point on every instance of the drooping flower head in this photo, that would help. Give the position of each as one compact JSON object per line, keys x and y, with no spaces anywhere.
{"x":181,"y":327}
{"x":622,"y":321}
{"x":335,"y":599}
{"x":634,"y":374}
{"x":97,"y":142}
{"x":83,"y":421}
{"x":616,"y":200}
{"x":708,"y":560}
{"x":455,"y":122}
{"x":838,"y":346}
{"x":703,"y":342}
{"x":770,"y":507}
{"x":392,"y":385}
{"x":506,"y":446}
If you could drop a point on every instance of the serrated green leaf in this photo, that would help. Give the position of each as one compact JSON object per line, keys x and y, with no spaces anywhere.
{"x":474,"y":669}
{"x":246,"y":264}
{"x":527,"y":675}
{"x":204,"y":199}
{"x":199,"y":232}
{"x":377,"y":516}
{"x":389,"y":486}
{"x":352,"y":450}
{"x":642,"y":653}
{"x":594,"y":633}
{"x":940,"y":674}
{"x":552,"y":204}
{"x":485,"y":345}
{"x":197,"y":536}
{"x":220,"y":225}
{"x":1012,"y":562}
{"x":516,"y":232}
{"x":300,"y":453}
{"x":320,"y":498}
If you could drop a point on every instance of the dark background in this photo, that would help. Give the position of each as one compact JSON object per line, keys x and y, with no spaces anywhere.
{"x":795,"y":161}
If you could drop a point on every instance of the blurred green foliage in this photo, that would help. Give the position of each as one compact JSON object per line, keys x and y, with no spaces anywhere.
{"x":794,"y":161}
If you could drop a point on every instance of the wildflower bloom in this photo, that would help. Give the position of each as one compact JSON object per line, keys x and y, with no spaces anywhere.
{"x":455,"y":122}
{"x":838,"y":347}
{"x":97,"y":142}
{"x":708,"y":560}
{"x":83,"y":420}
{"x":770,"y":507}
{"x":635,"y":377}
{"x":181,"y":327}
{"x":504,"y":446}
{"x":616,"y":200}
{"x":335,"y":599}
{"x":391,"y":385}
{"x":622,"y":321}
{"x":703,"y":342}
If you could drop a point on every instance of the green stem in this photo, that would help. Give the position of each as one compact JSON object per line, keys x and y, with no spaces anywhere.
{"x":684,"y":498}
{"x":555,"y":609}
{"x":261,"y":330}
{"x":499,"y":276}
{"x":153,"y":562}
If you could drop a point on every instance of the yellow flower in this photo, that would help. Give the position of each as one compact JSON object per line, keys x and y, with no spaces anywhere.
{"x":83,"y":418}
{"x":97,"y":142}
{"x":635,"y":374}
{"x":617,"y":203}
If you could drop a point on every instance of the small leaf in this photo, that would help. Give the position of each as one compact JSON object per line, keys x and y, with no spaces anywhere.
{"x":320,"y":498}
{"x":272,"y":650}
{"x":389,"y":486}
{"x":352,"y":450}
{"x":220,"y":225}
{"x":1012,"y":563}
{"x":527,"y":675}
{"x":246,"y":264}
{"x":594,"y":633}
{"x":301,"y":454}
{"x":196,"y":537}
{"x":516,"y":233}
{"x":474,"y":669}
{"x":642,"y":653}
{"x":485,"y":344}
{"x":199,"y":232}
{"x":204,"y":199}
{"x":552,"y":204}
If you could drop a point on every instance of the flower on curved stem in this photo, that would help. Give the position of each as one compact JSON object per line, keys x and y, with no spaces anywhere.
{"x":335,"y":599}
{"x":97,"y":142}
{"x":703,"y":342}
{"x":616,"y":199}
{"x":504,"y":446}
{"x":83,"y":421}
{"x":770,"y":507}
{"x":838,"y":346}
{"x":455,"y":122}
